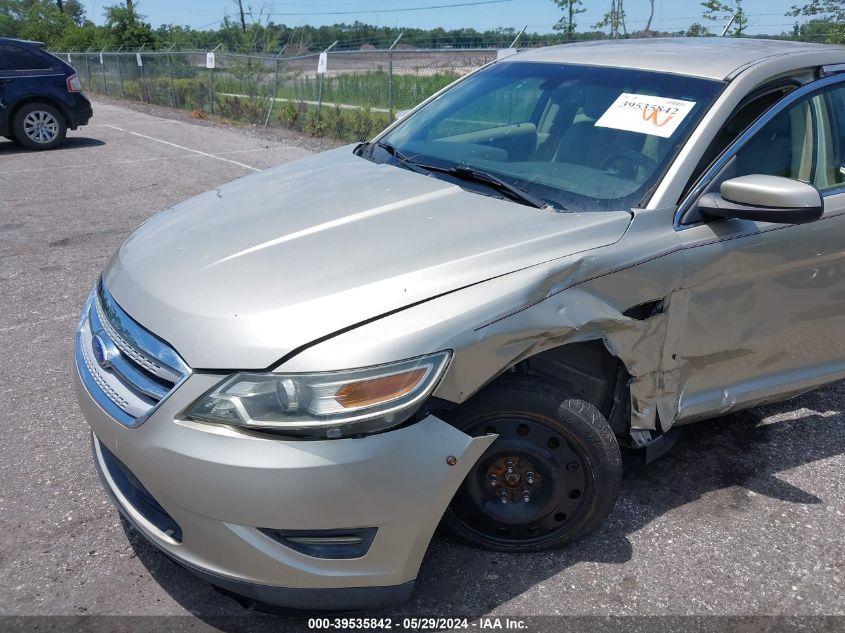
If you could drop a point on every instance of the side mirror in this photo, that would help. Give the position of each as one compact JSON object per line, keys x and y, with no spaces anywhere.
{"x":764,"y":199}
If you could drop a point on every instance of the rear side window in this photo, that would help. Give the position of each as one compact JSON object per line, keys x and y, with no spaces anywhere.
{"x":4,"y":64}
{"x":23,"y":59}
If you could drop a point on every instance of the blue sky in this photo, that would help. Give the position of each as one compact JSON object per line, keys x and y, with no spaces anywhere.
{"x":767,"y":16}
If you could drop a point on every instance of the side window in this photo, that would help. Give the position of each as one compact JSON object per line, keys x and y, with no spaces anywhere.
{"x":833,"y":174}
{"x":785,"y":147}
{"x":803,"y":142}
{"x":4,"y":64}
{"x":742,"y":117}
{"x":23,"y":59}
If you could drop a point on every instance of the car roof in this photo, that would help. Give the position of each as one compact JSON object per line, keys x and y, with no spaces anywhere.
{"x":11,"y":40}
{"x":708,"y":57}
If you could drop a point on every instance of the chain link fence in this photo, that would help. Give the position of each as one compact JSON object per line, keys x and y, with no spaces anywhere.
{"x":357,"y":96}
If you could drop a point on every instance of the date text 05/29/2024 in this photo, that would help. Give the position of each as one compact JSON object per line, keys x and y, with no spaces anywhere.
{"x":417,"y":624}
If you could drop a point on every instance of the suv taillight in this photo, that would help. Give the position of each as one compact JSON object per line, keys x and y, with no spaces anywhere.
{"x":73,"y":83}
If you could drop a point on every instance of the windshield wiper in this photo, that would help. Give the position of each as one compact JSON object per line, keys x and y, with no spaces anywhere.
{"x":403,"y":160}
{"x":465,"y":172}
{"x":391,"y":149}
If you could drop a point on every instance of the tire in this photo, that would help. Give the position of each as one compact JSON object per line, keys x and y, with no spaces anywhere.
{"x":39,"y":126}
{"x":561,"y":453}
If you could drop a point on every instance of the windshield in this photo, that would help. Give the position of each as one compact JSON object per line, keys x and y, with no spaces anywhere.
{"x":578,"y":138}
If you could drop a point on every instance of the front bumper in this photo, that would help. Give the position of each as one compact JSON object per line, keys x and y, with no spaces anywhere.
{"x":219,"y":484}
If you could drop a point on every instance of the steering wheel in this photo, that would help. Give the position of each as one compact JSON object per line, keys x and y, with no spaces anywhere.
{"x":626,"y":163}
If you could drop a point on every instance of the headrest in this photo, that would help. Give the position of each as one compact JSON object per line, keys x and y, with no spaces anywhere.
{"x":597,"y":99}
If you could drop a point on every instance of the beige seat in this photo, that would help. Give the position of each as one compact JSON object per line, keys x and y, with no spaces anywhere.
{"x":585,"y":144}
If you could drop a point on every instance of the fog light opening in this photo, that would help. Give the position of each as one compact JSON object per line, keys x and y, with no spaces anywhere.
{"x":338,"y":544}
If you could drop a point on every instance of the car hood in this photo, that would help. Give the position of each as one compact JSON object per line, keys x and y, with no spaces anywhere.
{"x":240,"y":276}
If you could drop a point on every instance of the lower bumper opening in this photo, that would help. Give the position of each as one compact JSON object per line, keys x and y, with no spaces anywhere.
{"x":337,"y":544}
{"x":139,"y":497}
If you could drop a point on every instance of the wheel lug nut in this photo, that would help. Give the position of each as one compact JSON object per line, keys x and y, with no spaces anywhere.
{"x":503,"y":496}
{"x":509,"y":466}
{"x":529,"y":477}
{"x":493,"y":481}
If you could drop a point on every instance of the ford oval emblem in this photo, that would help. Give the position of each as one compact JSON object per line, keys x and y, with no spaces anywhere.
{"x":101,"y":352}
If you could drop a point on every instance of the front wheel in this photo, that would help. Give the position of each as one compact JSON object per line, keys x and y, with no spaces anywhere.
{"x":39,"y":126}
{"x":551,"y":477}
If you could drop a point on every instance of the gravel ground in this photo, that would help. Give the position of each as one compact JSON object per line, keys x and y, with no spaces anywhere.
{"x":744,"y":517}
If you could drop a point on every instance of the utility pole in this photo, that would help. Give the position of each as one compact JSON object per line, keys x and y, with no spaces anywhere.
{"x":243,"y":18}
{"x":650,"y":17}
{"x":570,"y":24}
{"x":615,"y":19}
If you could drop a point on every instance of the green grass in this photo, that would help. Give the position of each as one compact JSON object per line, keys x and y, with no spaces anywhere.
{"x":368,"y":90}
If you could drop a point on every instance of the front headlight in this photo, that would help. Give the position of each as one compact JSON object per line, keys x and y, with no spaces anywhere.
{"x":324,"y":405}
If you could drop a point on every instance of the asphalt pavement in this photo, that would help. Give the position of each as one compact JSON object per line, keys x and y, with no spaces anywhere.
{"x":744,"y":517}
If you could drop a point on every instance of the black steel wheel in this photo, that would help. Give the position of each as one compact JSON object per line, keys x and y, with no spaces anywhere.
{"x":552,"y":475}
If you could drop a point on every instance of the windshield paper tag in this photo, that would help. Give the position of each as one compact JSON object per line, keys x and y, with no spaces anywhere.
{"x":645,"y":114}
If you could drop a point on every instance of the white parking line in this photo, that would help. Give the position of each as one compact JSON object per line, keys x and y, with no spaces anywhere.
{"x":254,"y":149}
{"x":109,"y":164}
{"x":187,"y":149}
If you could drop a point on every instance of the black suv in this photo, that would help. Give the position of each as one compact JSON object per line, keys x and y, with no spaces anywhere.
{"x":40,"y":95}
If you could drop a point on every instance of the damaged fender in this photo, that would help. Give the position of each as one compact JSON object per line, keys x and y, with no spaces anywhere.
{"x":494,"y":325}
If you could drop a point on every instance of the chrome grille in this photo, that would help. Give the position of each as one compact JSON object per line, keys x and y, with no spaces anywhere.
{"x":128,"y":370}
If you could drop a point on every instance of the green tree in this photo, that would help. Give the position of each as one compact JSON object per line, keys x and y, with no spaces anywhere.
{"x":80,"y":38}
{"x":614,"y":20}
{"x":126,"y":27}
{"x":571,"y":8}
{"x":74,"y":10}
{"x":42,"y":21}
{"x":717,"y":11}
{"x":828,"y":20}
{"x":11,"y":15}
{"x":697,"y":30}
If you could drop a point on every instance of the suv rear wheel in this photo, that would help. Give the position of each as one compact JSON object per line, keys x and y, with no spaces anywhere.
{"x":39,"y":126}
{"x":551,"y":477}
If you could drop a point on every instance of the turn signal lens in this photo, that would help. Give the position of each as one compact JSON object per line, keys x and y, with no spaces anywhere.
{"x":376,"y":390}
{"x":325,"y":405}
